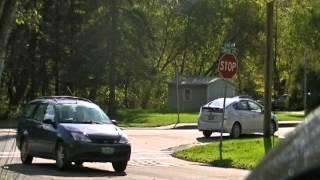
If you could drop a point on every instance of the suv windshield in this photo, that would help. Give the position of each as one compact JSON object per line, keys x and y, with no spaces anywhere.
{"x":81,"y":113}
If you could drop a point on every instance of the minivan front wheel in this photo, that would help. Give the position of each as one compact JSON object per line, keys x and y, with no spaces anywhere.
{"x":26,"y":158}
{"x":119,"y":166}
{"x":206,"y":133}
{"x":61,"y":157}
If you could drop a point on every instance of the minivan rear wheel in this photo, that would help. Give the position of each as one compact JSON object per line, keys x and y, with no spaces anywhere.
{"x":207,"y":133}
{"x":272,"y":128}
{"x":119,"y":166}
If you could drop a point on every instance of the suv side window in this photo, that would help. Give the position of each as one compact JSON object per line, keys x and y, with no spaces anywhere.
{"x":40,"y":112}
{"x":29,"y":110}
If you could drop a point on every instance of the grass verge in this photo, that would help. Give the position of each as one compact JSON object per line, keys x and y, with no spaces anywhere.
{"x":290,"y":116}
{"x":152,"y":118}
{"x":156,"y":118}
{"x":242,"y":154}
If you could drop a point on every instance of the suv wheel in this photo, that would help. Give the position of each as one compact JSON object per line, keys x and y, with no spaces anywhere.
{"x":207,"y":133}
{"x":119,"y":166}
{"x":236,"y":130}
{"x":61,"y":157}
{"x":24,"y":153}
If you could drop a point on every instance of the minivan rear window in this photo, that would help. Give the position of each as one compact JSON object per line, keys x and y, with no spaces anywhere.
{"x":29,"y":110}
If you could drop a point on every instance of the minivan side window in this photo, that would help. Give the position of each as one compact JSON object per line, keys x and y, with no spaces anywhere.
{"x":49,"y":114}
{"x":29,"y":110}
{"x":40,"y":112}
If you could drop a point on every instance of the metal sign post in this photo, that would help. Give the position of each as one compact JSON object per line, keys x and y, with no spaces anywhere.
{"x":222,"y":121}
{"x":228,"y":67}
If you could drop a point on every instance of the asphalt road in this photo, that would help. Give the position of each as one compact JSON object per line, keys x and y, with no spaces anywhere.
{"x":151,"y":159}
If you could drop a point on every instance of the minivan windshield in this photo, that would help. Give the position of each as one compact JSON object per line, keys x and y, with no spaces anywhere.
{"x":81,"y":113}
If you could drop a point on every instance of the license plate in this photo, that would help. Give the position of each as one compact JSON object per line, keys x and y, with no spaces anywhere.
{"x":107,"y":150}
{"x":210,"y":117}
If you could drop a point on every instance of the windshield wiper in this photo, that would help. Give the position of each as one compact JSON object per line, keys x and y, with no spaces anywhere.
{"x":90,"y":122}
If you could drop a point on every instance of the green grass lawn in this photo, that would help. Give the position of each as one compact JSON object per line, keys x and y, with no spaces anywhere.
{"x":290,"y":116}
{"x":155,"y":118}
{"x":152,"y":118}
{"x":242,"y":154}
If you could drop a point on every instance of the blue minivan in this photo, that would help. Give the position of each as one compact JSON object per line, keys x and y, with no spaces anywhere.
{"x":71,"y":130}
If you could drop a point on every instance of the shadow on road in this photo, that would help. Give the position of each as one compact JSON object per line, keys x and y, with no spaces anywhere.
{"x":48,"y":169}
{"x":7,"y":137}
{"x":216,"y":139}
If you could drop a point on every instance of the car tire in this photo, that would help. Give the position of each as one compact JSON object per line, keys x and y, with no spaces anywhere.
{"x":61,"y":157}
{"x":25,"y":156}
{"x":119,"y":166}
{"x":272,"y":128}
{"x":207,"y":134}
{"x":236,"y":130}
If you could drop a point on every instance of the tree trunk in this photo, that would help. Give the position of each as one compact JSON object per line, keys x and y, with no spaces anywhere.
{"x":112,"y":60}
{"x":57,"y":49}
{"x":7,"y":16}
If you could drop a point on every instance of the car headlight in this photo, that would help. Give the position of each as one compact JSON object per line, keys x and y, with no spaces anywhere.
{"x":78,"y":136}
{"x":124,"y":139}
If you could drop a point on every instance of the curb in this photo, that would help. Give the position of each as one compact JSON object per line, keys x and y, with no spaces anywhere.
{"x":194,"y":126}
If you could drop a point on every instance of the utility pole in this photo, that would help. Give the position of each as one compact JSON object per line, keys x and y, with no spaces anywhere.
{"x":305,"y":87}
{"x":268,"y":78}
{"x":178,"y":98}
{"x":276,"y":79}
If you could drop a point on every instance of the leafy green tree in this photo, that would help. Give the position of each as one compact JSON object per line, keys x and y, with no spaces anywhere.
{"x":7,"y":16}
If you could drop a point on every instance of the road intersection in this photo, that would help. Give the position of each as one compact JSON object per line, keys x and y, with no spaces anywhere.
{"x":151,"y":159}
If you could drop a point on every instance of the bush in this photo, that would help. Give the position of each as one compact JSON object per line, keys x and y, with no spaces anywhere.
{"x":296,"y":90}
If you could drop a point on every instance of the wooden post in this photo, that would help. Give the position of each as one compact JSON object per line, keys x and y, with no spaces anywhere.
{"x":268,"y":78}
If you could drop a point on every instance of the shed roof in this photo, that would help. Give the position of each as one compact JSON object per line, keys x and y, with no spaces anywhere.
{"x":196,"y":80}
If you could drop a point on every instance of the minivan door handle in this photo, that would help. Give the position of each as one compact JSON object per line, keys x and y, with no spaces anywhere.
{"x":39,"y":126}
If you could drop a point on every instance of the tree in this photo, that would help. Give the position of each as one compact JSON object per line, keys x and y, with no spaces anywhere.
{"x":7,"y":17}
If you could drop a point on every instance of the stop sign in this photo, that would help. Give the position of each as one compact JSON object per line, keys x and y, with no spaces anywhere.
{"x":228,"y":65}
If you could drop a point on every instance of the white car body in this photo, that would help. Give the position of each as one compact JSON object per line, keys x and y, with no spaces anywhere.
{"x":246,"y":113}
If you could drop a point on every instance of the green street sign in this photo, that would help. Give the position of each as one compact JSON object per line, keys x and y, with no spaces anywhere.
{"x":229,"y":48}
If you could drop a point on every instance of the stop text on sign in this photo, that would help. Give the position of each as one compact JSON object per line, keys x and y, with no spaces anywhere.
{"x":228,"y":65}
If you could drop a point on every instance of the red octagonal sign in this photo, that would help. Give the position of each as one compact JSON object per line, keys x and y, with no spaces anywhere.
{"x":228,"y":65}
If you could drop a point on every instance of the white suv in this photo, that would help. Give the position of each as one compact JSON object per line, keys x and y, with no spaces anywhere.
{"x":242,"y":116}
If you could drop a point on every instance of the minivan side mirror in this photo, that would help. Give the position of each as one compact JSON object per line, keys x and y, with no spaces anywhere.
{"x":115,"y":122}
{"x":49,"y":121}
